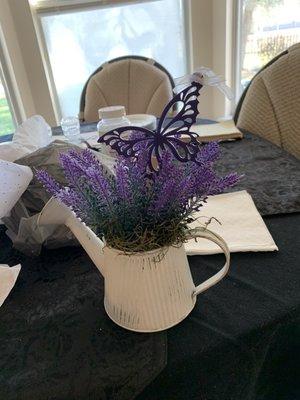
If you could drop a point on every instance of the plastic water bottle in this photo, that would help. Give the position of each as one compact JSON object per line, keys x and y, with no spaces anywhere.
{"x":110,"y":118}
{"x":71,"y":129}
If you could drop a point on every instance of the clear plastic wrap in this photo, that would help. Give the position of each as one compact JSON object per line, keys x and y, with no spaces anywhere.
{"x":21,"y":225}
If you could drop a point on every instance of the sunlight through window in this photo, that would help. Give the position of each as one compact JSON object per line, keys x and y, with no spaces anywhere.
{"x":78,"y":42}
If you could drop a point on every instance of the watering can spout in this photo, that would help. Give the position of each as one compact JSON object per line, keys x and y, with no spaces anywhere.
{"x":55,"y":213}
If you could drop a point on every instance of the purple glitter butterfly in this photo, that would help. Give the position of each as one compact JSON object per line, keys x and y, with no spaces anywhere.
{"x":165,"y":137}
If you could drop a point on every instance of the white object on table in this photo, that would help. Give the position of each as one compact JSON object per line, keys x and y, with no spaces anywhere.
{"x":243,"y":228}
{"x":223,"y":130}
{"x":8,"y":277}
{"x":71,"y":129}
{"x":14,"y":180}
{"x":31,"y":135}
{"x":156,"y":299}
{"x":140,"y":120}
{"x":111,"y":117}
{"x":143,"y":120}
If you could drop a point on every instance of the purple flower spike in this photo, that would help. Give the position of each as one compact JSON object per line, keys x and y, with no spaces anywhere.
{"x":137,"y":209}
{"x":208,"y":153}
{"x":48,"y":182}
{"x":220,"y":184}
{"x":100,"y":186}
{"x":122,"y":184}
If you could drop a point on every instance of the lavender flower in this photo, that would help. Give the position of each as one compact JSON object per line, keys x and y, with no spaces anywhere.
{"x":122,"y":182}
{"x":220,"y":184}
{"x":165,"y":196}
{"x":100,"y":186}
{"x":73,"y":167}
{"x":48,"y":182}
{"x":208,"y":153}
{"x":137,"y":209}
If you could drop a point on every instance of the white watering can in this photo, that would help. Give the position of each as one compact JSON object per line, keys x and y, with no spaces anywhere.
{"x":144,"y":292}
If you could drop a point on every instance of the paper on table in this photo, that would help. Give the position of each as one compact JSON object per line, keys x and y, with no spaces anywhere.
{"x":31,"y":135}
{"x":8,"y":277}
{"x":223,"y":130}
{"x":14,"y":180}
{"x":243,"y":229}
{"x":90,"y":137}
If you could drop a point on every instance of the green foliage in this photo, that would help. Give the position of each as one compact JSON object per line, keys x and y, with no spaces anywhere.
{"x":263,"y":3}
{"x":168,"y":233}
{"x":268,"y":49}
{"x":6,"y":122}
{"x":268,"y":3}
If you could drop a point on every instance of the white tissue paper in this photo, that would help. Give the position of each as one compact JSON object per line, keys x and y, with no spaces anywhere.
{"x":14,"y":180}
{"x":206,"y":77}
{"x":33,"y":134}
{"x":8,"y":277}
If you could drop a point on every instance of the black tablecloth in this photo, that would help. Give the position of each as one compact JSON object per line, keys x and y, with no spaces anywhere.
{"x":240,"y":342}
{"x":271,"y":175}
{"x":56,"y":341}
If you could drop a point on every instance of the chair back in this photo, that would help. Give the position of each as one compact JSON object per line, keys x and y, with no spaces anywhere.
{"x":270,"y":105}
{"x":142,"y":85}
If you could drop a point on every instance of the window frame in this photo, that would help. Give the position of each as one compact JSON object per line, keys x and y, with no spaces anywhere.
{"x":237,"y":62}
{"x":236,"y":50}
{"x":50,"y":6}
{"x":9,"y":85}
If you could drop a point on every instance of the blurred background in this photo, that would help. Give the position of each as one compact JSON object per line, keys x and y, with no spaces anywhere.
{"x":50,"y":48}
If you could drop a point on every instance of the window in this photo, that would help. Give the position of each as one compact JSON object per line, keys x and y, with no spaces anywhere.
{"x":267,"y":28}
{"x":79,"y":40}
{"x":7,"y":124}
{"x":11,"y":110}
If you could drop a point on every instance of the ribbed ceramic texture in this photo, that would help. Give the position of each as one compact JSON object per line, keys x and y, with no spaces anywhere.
{"x":148,"y":292}
{"x":144,"y":292}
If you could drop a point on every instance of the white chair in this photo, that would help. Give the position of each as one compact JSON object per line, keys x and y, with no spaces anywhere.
{"x":270,"y":106}
{"x":142,"y":85}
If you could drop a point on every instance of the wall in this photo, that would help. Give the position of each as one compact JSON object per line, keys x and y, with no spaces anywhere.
{"x":211,"y":46}
{"x":222,"y":37}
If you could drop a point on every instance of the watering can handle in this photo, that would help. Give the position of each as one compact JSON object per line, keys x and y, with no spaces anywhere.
{"x":207,"y":234}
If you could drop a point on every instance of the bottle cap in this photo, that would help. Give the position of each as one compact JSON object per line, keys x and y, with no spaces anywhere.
{"x":111,"y":112}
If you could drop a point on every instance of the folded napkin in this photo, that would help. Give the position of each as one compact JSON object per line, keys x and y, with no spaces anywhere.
{"x":8,"y":277}
{"x":14,"y":180}
{"x":223,"y":130}
{"x":243,"y":229}
{"x":31,"y":135}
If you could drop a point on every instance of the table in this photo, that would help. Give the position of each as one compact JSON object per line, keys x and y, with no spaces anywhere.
{"x":240,"y":342}
{"x":242,"y":339}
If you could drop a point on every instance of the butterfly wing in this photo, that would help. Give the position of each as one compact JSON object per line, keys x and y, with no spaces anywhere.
{"x":127,"y":139}
{"x":186,"y":116}
{"x":121,"y":139}
{"x":183,"y":150}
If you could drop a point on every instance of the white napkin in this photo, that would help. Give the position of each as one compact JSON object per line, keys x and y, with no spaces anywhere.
{"x":223,"y":130}
{"x":8,"y":277}
{"x":243,"y":229}
{"x":33,"y":134}
{"x":14,"y":180}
